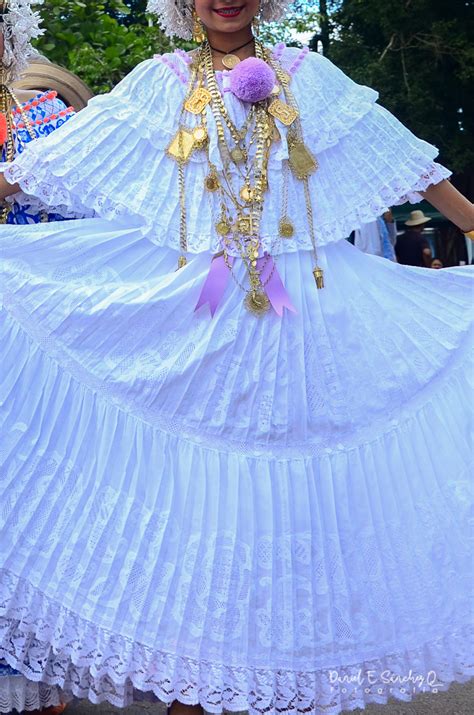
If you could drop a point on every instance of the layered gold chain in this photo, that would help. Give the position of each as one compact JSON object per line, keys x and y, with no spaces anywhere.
{"x":245,"y":155}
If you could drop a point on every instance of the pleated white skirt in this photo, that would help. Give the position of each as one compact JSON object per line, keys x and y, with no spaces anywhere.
{"x":265,"y":514}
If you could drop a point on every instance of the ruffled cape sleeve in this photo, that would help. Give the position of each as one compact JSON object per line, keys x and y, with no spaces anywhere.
{"x":101,"y":160}
{"x":368,"y":160}
{"x":111,"y":158}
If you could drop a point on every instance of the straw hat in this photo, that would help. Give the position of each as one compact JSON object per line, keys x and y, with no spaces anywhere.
{"x":417,"y":218}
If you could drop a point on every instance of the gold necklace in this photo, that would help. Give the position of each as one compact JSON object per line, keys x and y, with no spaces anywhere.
{"x":241,"y":209}
{"x":230,"y":60}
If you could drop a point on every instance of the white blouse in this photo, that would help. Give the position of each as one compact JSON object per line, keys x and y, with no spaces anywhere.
{"x":110,"y":160}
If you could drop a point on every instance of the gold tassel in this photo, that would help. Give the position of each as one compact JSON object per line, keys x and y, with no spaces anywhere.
{"x":199,"y":34}
{"x":181,"y":262}
{"x":318,"y":277}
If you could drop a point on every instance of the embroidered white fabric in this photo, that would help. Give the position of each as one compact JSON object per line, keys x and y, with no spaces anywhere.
{"x":111,"y":158}
{"x":301,"y":515}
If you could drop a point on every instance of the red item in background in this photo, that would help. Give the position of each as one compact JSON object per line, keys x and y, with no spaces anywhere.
{"x":3,"y":128}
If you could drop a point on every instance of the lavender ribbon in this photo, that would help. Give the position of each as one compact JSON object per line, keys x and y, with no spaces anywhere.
{"x":215,"y":283}
{"x":274,"y":288}
{"x":218,"y":277}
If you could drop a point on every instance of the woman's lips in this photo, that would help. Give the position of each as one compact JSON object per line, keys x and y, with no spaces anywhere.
{"x":228,"y":11}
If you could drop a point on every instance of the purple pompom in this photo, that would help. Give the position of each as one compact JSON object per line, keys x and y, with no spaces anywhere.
{"x":252,"y":80}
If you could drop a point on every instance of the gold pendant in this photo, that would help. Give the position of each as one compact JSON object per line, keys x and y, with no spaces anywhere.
{"x":244,"y":225}
{"x":230,"y":61}
{"x":257,"y":302}
{"x":181,"y":262}
{"x":211,"y":182}
{"x":200,"y":136}
{"x":283,"y":112}
{"x":318,"y":277}
{"x":223,"y":227}
{"x":181,"y":146}
{"x":301,"y":160}
{"x":238,"y":155}
{"x":286,"y":228}
{"x":198,"y":101}
{"x":246,"y":194}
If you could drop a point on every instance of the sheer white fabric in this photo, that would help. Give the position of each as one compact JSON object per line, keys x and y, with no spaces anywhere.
{"x":111,"y":158}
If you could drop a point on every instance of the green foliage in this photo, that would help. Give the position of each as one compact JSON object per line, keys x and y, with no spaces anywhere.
{"x":419,"y":55}
{"x":99,"y":41}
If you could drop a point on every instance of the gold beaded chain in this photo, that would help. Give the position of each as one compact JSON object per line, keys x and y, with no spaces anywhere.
{"x":295,"y":139}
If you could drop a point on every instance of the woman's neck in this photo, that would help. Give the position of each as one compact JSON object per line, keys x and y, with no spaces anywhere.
{"x":227,"y":42}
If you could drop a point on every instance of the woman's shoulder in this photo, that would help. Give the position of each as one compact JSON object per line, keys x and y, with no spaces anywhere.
{"x":163,"y":74}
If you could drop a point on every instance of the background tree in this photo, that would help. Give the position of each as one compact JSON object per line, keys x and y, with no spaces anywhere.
{"x":419,"y":55}
{"x":99,"y":41}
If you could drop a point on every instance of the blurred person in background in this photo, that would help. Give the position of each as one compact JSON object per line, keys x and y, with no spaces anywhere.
{"x":412,"y":248}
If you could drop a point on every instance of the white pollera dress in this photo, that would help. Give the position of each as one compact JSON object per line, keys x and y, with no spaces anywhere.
{"x":268,"y":513}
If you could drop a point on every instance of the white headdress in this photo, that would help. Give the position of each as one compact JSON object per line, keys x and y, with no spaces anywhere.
{"x":176,"y":16}
{"x":20,"y":25}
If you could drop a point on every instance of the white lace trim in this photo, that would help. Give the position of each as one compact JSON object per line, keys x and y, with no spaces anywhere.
{"x":65,"y":650}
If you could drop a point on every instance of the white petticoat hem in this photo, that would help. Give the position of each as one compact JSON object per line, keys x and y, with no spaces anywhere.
{"x":62,"y":649}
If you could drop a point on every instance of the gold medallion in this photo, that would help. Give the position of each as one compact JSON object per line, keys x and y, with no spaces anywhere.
{"x":238,"y":155}
{"x":200,"y":135}
{"x":246,"y":194}
{"x":181,"y":146}
{"x":211,"y":182}
{"x":286,"y":228}
{"x":283,"y":112}
{"x":257,"y":302}
{"x":230,"y":61}
{"x":301,"y":160}
{"x":244,"y":225}
{"x":223,"y":227}
{"x":198,"y":101}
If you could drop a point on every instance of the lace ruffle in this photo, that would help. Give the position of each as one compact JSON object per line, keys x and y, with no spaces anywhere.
{"x":111,"y":160}
{"x":89,"y":662}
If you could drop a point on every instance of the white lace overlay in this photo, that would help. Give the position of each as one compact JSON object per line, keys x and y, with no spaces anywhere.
{"x":111,"y":159}
{"x":100,"y":666}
